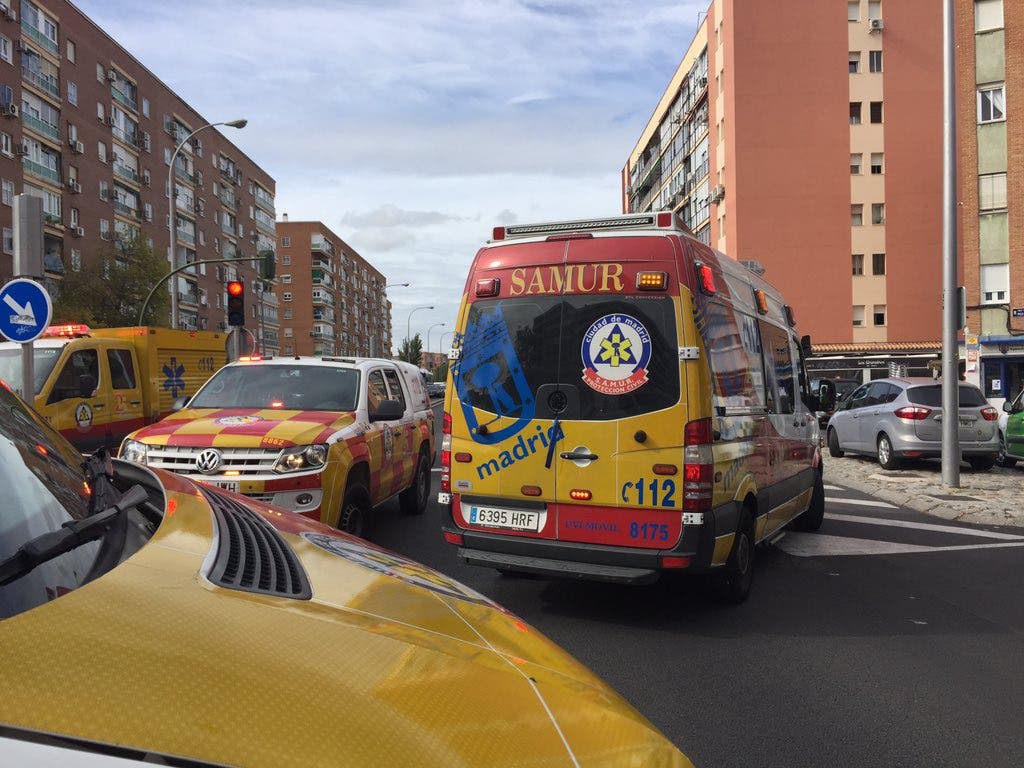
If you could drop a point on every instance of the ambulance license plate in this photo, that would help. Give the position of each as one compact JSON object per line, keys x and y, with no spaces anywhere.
{"x":510,"y":519}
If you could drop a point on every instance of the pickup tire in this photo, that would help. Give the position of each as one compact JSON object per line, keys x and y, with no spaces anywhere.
{"x":413,"y":500}
{"x":355,"y":510}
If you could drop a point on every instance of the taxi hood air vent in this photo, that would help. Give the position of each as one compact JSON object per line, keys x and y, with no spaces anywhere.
{"x":251,"y":555}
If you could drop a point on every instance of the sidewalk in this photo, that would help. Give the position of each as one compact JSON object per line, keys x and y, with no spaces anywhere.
{"x":995,"y":497}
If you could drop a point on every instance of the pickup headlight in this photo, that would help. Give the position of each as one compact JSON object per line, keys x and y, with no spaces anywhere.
{"x":133,"y":450}
{"x":301,"y":458}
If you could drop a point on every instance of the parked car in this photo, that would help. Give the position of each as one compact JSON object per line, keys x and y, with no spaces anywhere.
{"x":841,"y":387}
{"x":148,"y":617}
{"x":901,"y":418}
{"x":1011,"y":432}
{"x":435,"y":389}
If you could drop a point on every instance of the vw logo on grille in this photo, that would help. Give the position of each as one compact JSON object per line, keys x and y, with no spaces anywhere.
{"x":208,"y":461}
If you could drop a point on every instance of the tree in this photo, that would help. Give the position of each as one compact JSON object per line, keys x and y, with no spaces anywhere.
{"x":411,"y":350}
{"x":107,"y":291}
{"x":441,"y":374}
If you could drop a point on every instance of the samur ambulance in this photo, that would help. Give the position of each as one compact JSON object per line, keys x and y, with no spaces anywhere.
{"x":623,"y":401}
{"x":97,"y":385}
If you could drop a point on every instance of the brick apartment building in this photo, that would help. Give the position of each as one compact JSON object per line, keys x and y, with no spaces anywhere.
{"x":86,"y":127}
{"x":332,"y":301}
{"x":829,"y":178}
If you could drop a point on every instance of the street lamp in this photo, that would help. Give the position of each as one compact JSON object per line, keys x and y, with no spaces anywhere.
{"x":408,"y":324}
{"x":396,"y":285}
{"x":440,"y":342}
{"x":172,"y":219}
{"x":435,"y":325}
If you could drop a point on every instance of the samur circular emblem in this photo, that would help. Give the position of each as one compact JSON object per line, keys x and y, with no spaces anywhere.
{"x":616,"y":351}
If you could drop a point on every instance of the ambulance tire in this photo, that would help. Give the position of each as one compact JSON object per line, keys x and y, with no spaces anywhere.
{"x":810,"y":520}
{"x":833,"y":445}
{"x":733,"y":584}
{"x":355,"y":511}
{"x":413,"y":500}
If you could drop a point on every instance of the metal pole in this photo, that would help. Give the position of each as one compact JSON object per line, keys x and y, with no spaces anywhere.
{"x":950,"y":355}
{"x":408,"y":324}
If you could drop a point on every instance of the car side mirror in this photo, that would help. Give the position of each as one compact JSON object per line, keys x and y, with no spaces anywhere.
{"x":388,"y":410}
{"x":179,"y":403}
{"x":86,"y":385}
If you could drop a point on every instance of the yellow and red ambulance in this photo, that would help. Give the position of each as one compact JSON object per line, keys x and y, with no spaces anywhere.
{"x":623,"y":400}
{"x":327,"y":437}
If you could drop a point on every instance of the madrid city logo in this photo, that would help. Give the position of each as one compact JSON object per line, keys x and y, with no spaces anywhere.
{"x":616,"y":351}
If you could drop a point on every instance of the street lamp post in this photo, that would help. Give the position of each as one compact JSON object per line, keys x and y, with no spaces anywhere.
{"x":440,"y":342}
{"x":172,"y":218}
{"x":408,"y":324}
{"x":435,"y":325}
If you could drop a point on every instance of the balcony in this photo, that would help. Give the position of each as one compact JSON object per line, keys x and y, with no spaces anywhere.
{"x":228,"y":228}
{"x":320,"y":298}
{"x":264,"y":200}
{"x":129,"y":137}
{"x":323,"y":246}
{"x":41,"y":171}
{"x":123,"y":98}
{"x":322,"y":264}
{"x":52,"y":219}
{"x":265,"y":227}
{"x":183,"y":175}
{"x":43,"y":82}
{"x":37,"y":125}
{"x":188,"y":298}
{"x":228,"y":174}
{"x":38,"y":37}
{"x":229,"y":200}
{"x":324,"y":333}
{"x":126,"y":210}
{"x":186,"y":237}
{"x":126,"y":172}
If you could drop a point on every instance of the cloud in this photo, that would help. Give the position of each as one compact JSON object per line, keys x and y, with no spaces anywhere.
{"x":390,"y":215}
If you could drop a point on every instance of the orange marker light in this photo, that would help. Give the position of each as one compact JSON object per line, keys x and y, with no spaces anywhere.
{"x":580,"y":494}
{"x":762,"y":301}
{"x":651,"y":281}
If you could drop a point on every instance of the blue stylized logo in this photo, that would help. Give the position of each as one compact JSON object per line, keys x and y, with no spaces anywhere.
{"x":175,"y":380}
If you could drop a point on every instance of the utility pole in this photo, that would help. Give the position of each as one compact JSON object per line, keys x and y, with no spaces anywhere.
{"x":950,"y":305}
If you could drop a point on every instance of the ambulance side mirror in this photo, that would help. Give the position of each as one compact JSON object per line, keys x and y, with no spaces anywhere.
{"x":179,"y":403}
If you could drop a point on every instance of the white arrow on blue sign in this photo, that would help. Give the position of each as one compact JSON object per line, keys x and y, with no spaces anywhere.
{"x":25,"y":310}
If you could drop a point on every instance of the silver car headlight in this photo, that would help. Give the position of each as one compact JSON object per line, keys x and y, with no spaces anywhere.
{"x":133,"y":450}
{"x":301,"y":458}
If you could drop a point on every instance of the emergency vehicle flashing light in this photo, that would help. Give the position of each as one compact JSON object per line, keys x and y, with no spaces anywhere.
{"x":69,"y":331}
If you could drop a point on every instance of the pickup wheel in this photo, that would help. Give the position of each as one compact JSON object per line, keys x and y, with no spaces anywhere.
{"x":355,"y":511}
{"x":413,"y":500}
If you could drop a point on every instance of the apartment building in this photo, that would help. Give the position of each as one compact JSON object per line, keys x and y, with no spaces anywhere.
{"x":827,"y":178}
{"x":990,"y":134}
{"x":88,"y":128}
{"x":332,"y":301}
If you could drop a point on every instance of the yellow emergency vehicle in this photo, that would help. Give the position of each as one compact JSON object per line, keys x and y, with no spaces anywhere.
{"x":622,"y":401}
{"x":97,"y":385}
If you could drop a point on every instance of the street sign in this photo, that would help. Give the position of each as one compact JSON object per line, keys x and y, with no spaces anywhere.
{"x":25,"y":310}
{"x":1018,"y":311}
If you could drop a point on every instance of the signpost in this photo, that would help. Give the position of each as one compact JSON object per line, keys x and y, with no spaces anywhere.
{"x":25,"y":312}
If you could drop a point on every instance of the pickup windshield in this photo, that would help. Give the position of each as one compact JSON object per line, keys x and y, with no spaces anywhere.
{"x":43,"y":360}
{"x":287,"y":387}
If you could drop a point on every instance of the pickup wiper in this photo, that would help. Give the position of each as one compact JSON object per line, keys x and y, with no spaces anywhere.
{"x":69,"y":536}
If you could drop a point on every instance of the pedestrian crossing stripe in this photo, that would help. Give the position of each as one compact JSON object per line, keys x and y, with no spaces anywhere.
{"x":860,"y":502}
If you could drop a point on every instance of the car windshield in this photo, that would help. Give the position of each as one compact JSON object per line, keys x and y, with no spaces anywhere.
{"x":287,"y":387}
{"x":44,"y":487}
{"x":931,"y":396}
{"x":43,"y":360}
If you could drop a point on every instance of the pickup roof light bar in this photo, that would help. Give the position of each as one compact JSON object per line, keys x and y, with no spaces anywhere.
{"x":661,"y":220}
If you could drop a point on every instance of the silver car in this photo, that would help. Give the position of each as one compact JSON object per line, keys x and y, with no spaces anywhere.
{"x":901,"y":418}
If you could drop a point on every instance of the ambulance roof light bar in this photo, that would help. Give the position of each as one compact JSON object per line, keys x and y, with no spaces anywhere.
{"x":67,"y":331}
{"x":658,"y":219}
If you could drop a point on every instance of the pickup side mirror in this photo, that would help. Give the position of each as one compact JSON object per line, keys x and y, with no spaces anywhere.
{"x":388,"y":410}
{"x":179,"y":403}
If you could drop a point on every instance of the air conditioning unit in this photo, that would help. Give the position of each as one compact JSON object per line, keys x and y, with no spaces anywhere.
{"x":146,"y":178}
{"x":77,"y":147}
{"x":9,"y":110}
{"x":74,"y":186}
{"x":146,"y":142}
{"x":876,"y":25}
{"x":21,"y":150}
{"x":111,"y":121}
{"x":717,"y":193}
{"x":111,"y":76}
{"x":78,"y":231}
{"x":10,"y":14}
{"x":702,"y":82}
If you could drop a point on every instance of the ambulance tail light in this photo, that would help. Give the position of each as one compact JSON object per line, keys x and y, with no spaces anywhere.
{"x":707,"y":279}
{"x":698,"y":466}
{"x":665,"y":219}
{"x":498,"y":233}
{"x":446,"y":453}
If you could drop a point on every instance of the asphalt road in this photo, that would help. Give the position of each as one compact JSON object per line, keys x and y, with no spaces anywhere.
{"x":888,"y":638}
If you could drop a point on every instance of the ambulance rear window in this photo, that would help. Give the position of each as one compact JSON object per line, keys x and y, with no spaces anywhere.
{"x":581,"y":357}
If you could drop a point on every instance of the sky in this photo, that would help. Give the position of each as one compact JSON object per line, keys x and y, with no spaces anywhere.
{"x":412,"y":128}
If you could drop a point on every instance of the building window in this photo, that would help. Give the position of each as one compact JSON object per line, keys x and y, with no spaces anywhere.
{"x":288,"y":333}
{"x":286,"y":242}
{"x":76,"y":259}
{"x":286,"y":296}
{"x":101,"y":113}
{"x":878,"y":213}
{"x":854,"y":113}
{"x":856,"y":215}
{"x":8,"y":192}
{"x":988,"y":14}
{"x":858,"y":315}
{"x":855,"y":161}
{"x":858,"y":263}
{"x":876,"y":162}
{"x":145,"y":107}
{"x":286,"y":261}
{"x":72,"y":93}
{"x":104,"y":229}
{"x":878,"y":314}
{"x":995,"y":283}
{"x":286,"y":279}
{"x":991,"y":104}
{"x":5,"y":144}
{"x":854,"y":62}
{"x":8,"y":240}
{"x":287,"y":314}
{"x":877,"y":263}
{"x":71,"y":51}
{"x":992,"y":192}
{"x":853,"y":10}
{"x":874,"y":9}
{"x":876,"y":111}
{"x":875,"y":61}
{"x":5,"y":49}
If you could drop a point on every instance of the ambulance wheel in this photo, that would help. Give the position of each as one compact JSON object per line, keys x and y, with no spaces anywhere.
{"x":810,"y":520}
{"x":833,"y":445}
{"x":733,"y":584}
{"x":413,"y":500}
{"x":355,"y":511}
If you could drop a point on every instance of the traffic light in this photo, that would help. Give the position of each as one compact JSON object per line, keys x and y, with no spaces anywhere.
{"x":268,"y":265}
{"x":236,"y":303}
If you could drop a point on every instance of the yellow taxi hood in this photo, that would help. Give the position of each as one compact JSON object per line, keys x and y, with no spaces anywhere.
{"x":385,"y":663}
{"x":245,"y":427}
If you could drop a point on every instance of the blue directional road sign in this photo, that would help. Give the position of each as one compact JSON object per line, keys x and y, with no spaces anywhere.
{"x":25,"y":310}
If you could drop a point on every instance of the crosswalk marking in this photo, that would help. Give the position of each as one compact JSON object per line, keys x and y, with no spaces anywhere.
{"x":859,"y":502}
{"x":818,"y":544}
{"x":834,"y":488}
{"x":925,"y":527}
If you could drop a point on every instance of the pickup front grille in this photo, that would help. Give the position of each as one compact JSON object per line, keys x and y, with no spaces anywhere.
{"x":182,"y":459}
{"x":251,"y":555}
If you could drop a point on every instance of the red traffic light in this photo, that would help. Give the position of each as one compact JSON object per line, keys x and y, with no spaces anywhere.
{"x":235,"y":288}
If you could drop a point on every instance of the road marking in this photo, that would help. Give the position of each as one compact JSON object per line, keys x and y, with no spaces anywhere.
{"x":817,"y":545}
{"x":926,"y":527}
{"x":834,"y":488}
{"x":860,"y":502}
